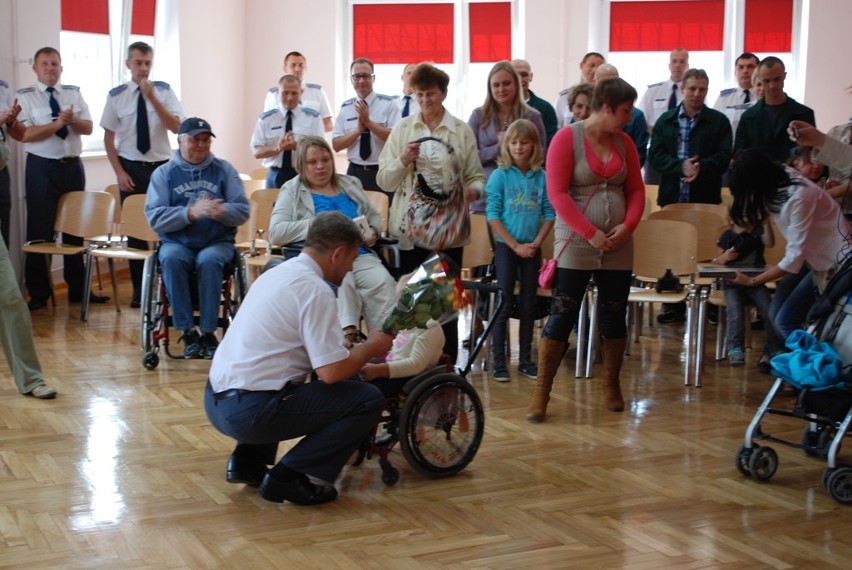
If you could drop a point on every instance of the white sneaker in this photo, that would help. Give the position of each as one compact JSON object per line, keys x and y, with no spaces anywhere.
{"x":43,"y":392}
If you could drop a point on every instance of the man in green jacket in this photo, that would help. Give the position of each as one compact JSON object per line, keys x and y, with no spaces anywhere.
{"x":764,"y":126}
{"x":691,"y":146}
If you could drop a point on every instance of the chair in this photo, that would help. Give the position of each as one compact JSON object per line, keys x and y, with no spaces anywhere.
{"x":250,"y":238}
{"x":133,"y":224}
{"x":381,"y":203}
{"x":477,"y":254}
{"x":258,"y":173}
{"x":254,"y":185}
{"x":720,"y":209}
{"x":706,"y":222}
{"x":81,"y":214}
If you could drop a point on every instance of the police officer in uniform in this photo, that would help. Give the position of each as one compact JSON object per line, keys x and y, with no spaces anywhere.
{"x":734,"y":101}
{"x":363,"y":125}
{"x":52,"y":120}
{"x":137,"y":143}
{"x":313,"y":95}
{"x":279,"y":130}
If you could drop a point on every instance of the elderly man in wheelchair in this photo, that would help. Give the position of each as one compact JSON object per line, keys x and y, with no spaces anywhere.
{"x":195,"y":203}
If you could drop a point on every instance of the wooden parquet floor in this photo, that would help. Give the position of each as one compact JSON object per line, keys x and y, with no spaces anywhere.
{"x":123,"y":470}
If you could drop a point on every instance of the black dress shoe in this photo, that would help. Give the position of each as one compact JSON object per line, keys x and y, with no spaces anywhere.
{"x":135,"y":304}
{"x":36,"y":304}
{"x":244,"y":472}
{"x":299,"y":491}
{"x":99,"y":299}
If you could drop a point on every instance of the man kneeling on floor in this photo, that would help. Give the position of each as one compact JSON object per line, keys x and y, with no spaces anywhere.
{"x":195,"y":203}
{"x":287,"y":328}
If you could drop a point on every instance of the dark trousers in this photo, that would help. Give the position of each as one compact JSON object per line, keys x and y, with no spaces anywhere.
{"x":509,"y":268}
{"x":276,"y":177}
{"x":46,"y":181}
{"x":568,"y":290}
{"x":140,"y":173}
{"x":409,"y":261}
{"x":367,"y":176}
{"x":5,"y":204}
{"x":333,"y":418}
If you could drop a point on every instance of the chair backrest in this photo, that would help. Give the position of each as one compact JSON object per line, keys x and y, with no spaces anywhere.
{"x":261,"y":204}
{"x":85,"y":214}
{"x":134,"y":222}
{"x":258,"y":173}
{"x":478,"y":252}
{"x":381,"y":203}
{"x":112,"y":189}
{"x":651,"y":193}
{"x":706,"y":223}
{"x":719,"y":209}
{"x":253,"y":185}
{"x":664,"y":244}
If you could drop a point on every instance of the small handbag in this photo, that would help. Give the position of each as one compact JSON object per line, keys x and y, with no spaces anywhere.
{"x":547,"y":273}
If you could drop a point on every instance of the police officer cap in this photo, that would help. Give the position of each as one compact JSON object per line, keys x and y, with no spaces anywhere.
{"x":195,"y":126}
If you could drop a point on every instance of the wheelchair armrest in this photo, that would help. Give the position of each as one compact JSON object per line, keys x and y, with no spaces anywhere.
{"x":386,"y":242}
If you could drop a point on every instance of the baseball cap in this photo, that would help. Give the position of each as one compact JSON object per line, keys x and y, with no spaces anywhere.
{"x":193,"y":126}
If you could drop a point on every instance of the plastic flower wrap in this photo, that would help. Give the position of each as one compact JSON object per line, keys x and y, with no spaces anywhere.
{"x":432,"y":295}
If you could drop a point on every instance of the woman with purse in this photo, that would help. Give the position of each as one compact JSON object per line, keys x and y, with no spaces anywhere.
{"x":595,"y":185}
{"x":430,"y":162}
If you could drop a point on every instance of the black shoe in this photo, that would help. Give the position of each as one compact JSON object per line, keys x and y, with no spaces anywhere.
{"x":136,"y":302}
{"x":299,"y":491}
{"x":36,"y":304}
{"x":192,"y":344}
{"x":99,"y":299}
{"x":209,"y":344}
{"x":713,"y":315}
{"x":668,"y":317}
{"x":758,"y":324}
{"x":244,"y":472}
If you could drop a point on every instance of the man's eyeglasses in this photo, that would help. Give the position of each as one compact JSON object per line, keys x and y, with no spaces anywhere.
{"x":362,"y":76}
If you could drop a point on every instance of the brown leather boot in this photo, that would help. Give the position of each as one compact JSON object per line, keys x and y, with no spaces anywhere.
{"x":550,"y":353}
{"x":613,"y":355}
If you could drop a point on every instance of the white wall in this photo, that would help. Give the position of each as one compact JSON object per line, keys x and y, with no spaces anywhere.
{"x":829,"y":65}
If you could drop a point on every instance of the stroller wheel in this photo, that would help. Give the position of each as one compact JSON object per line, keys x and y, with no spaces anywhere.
{"x":840,"y":485}
{"x":763,"y":463}
{"x":743,"y":455}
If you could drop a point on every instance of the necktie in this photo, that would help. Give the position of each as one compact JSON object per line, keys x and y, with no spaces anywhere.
{"x":143,"y":135}
{"x":287,"y":157}
{"x":747,"y":98}
{"x":406,"y":109}
{"x":673,"y":98}
{"x":54,"y":112}
{"x":365,"y":148}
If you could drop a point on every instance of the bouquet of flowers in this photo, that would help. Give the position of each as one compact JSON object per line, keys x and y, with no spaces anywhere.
{"x":432,"y":295}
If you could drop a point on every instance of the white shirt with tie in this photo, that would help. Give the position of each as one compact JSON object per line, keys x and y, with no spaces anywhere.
{"x":383,"y":110}
{"x":272,"y":124}
{"x":655,"y":100}
{"x":313,"y":97}
{"x":35,"y":110}
{"x":732,"y":102}
{"x":413,"y":107}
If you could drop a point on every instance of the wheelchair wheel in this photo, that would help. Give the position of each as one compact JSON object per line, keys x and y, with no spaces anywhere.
{"x":441,"y":426}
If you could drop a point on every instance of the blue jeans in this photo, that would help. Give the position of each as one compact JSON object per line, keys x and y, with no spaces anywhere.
{"x":178,"y":262}
{"x":333,"y":418}
{"x":510,"y":268}
{"x":794,"y":296}
{"x":736,"y":298}
{"x":568,"y":290}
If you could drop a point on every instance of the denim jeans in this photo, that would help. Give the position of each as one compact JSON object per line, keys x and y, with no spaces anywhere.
{"x":333,"y":418}
{"x":178,"y":262}
{"x":736,"y":298}
{"x":794,"y":296}
{"x":568,"y":289}
{"x":509,"y":268}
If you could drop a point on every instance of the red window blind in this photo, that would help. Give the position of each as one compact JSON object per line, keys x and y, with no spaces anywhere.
{"x":490,"y":31}
{"x":667,"y":24}
{"x":768,"y":26}
{"x":403,"y":33}
{"x":143,"y":17}
{"x":90,"y":16}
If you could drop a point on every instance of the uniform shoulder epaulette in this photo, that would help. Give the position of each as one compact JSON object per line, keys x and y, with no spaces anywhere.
{"x":348,"y":102}
{"x":26,"y":90}
{"x":656,"y":84}
{"x":3,"y":84}
{"x":71,"y":87}
{"x":273,"y":89}
{"x":313,"y":86}
{"x":268,"y":113}
{"x":384,"y":97}
{"x":311,"y":112}
{"x":162,"y":85}
{"x":565,"y":91}
{"x":724,"y":92}
{"x":116,"y":90}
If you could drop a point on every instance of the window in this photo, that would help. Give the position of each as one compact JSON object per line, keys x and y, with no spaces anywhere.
{"x":90,"y":41}
{"x":768,"y":26}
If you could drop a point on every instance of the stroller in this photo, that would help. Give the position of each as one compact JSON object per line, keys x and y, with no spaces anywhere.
{"x":819,"y":368}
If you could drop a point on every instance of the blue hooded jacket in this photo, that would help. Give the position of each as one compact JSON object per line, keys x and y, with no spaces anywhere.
{"x":177,"y":184}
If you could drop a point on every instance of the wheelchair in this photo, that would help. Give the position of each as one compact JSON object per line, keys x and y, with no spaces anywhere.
{"x":156,"y":316}
{"x":436,"y":417}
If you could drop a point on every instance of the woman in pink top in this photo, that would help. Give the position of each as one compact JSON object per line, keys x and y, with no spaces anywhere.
{"x":595,"y":185}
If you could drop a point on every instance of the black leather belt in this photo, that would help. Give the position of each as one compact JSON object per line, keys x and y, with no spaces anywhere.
{"x":65,"y":159}
{"x":364,"y":166}
{"x":148,"y":164}
{"x":226,"y":393}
